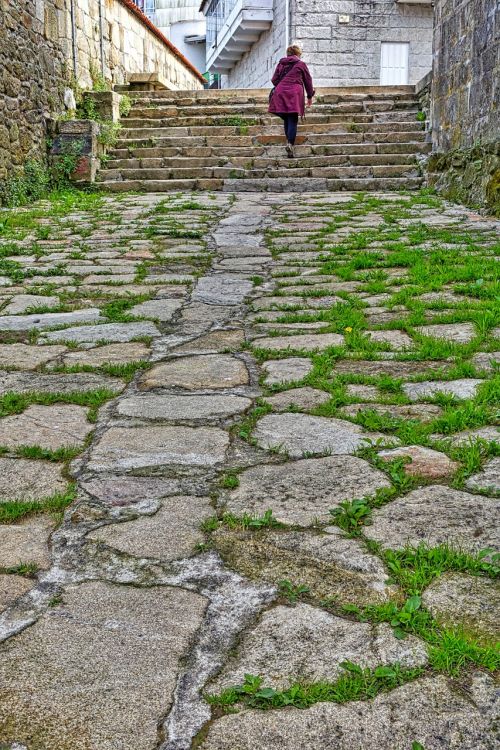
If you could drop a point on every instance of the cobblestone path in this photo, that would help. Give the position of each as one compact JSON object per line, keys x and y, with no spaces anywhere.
{"x":249,"y":473}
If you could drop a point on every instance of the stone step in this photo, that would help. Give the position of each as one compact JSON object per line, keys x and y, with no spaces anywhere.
{"x":253,"y":111}
{"x":241,"y":141}
{"x":317,"y":114}
{"x":231,"y":172}
{"x":259,"y":162}
{"x":265,"y":185}
{"x":145,"y":152}
{"x":240,"y":96}
{"x":145,"y":128}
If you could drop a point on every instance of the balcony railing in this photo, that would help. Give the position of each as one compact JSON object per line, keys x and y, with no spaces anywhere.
{"x":233,"y":26}
{"x":217,"y":13}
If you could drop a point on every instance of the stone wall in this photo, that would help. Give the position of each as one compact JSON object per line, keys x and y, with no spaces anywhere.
{"x":466,"y":73}
{"x":340,"y":54}
{"x":256,"y":67}
{"x":36,"y":63}
{"x":130,"y":46}
{"x":465,"y":98}
{"x":33,"y":72}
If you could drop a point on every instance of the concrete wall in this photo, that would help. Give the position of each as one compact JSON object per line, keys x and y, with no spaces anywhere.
{"x":256,"y":67}
{"x":340,"y":54}
{"x":195,"y":53}
{"x":466,"y":73}
{"x":36,"y":64}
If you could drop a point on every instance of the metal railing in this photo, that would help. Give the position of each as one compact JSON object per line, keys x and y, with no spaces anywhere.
{"x":217,"y":14}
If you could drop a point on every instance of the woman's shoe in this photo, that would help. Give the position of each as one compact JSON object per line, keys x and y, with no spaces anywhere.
{"x":289,"y":151}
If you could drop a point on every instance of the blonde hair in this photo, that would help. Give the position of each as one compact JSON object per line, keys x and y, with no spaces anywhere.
{"x":294,"y":49}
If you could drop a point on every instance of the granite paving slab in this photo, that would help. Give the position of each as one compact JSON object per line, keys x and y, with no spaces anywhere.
{"x":287,"y":370}
{"x":328,"y":563}
{"x":302,"y":492}
{"x":301,"y":398}
{"x":22,"y":302}
{"x":49,"y":427}
{"x":437,"y":515}
{"x":112,"y":332}
{"x":486,"y":361}
{"x":459,"y":333}
{"x":157,"y":309}
{"x":422,"y":462}
{"x":116,"y":354}
{"x":17,"y":382}
{"x":423,"y":412}
{"x":306,"y":644}
{"x":299,"y":434}
{"x":193,"y":373}
{"x":24,"y":479}
{"x":122,"y":448}
{"x":222,"y":289}
{"x":460,"y":389}
{"x":12,"y":587}
{"x":488,"y":479}
{"x":182,"y":408}
{"x":27,"y":357}
{"x":125,"y":642}
{"x":307,"y":342}
{"x":465,"y":601}
{"x":48,"y":320}
{"x":26,"y":543}
{"x":171,"y":533}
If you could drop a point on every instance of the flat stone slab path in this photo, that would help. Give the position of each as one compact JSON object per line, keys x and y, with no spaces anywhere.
{"x":249,"y":473}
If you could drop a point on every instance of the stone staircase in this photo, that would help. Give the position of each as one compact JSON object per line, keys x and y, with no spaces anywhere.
{"x":361,"y":138}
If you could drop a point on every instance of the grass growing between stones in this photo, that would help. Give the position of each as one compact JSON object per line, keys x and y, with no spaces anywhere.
{"x":415,"y":568}
{"x":16,"y":403}
{"x":450,"y":650}
{"x":36,"y":452}
{"x":27,"y":570}
{"x":425,"y":275}
{"x":357,"y":683}
{"x":12,"y":511}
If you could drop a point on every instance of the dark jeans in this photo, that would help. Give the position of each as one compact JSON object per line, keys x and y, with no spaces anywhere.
{"x":290,"y":122}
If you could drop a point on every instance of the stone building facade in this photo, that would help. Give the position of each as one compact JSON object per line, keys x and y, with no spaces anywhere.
{"x":345,"y":42}
{"x":465,"y":96}
{"x":46,"y":48}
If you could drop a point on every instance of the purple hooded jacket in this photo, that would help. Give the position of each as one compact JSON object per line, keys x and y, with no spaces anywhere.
{"x":288,"y":96}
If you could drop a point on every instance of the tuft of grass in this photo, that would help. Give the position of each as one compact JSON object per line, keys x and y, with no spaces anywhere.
{"x":252,"y":523}
{"x":229,"y":481}
{"x":352,"y":515}
{"x":26,"y":569}
{"x":291,"y":591}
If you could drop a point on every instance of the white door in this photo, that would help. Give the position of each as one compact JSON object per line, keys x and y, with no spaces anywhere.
{"x":394,"y":64}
